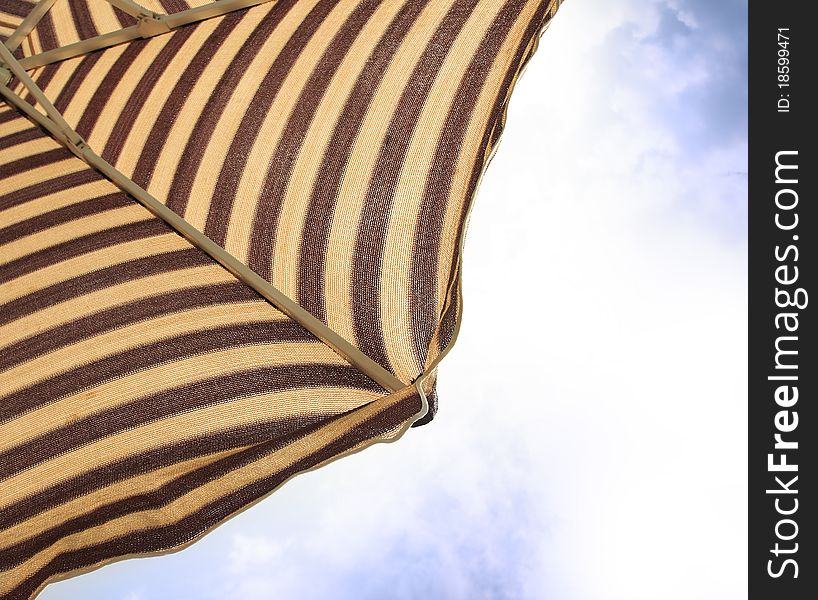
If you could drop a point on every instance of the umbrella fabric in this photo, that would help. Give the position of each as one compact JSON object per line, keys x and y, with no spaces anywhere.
{"x":297,"y":131}
{"x":69,"y":21}
{"x":333,"y":147}
{"x":147,"y":393}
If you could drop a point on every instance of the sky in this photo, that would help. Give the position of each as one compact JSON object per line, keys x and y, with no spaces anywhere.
{"x":590,"y":443}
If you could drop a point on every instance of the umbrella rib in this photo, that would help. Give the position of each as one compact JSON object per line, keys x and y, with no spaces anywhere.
{"x":28,"y":24}
{"x":55,"y":124}
{"x":150,"y":24}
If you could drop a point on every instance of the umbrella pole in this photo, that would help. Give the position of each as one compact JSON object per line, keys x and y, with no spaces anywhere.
{"x":54,"y":122}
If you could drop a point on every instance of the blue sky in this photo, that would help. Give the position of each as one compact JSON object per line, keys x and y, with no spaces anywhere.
{"x":603,"y":442}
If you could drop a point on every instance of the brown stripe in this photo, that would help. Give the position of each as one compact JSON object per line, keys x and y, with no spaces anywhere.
{"x":47,"y":34}
{"x":118,"y":365}
{"x":424,"y":311}
{"x":134,"y":105}
{"x":82,"y":20}
{"x":123,"y":316}
{"x":174,"y":6}
{"x":47,"y":187}
{"x":189,"y":397}
{"x":371,"y":236}
{"x":236,"y":157}
{"x":125,"y":20}
{"x":63,"y":215}
{"x":336,"y":156}
{"x":76,"y":80}
{"x":9,"y":114}
{"x":106,"y":89}
{"x":279,"y":431}
{"x":191,"y":157}
{"x":47,"y":74}
{"x":16,"y":8}
{"x":34,"y":161}
{"x":155,"y":142}
{"x":104,"y":278}
{"x":169,"y":536}
{"x":102,"y":476}
{"x":81,"y":245}
{"x":20,"y":137}
{"x":273,"y":191}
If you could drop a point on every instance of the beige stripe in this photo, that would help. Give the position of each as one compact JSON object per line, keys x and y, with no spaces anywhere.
{"x":8,"y":23}
{"x":71,"y":230}
{"x":61,"y":199}
{"x":341,"y":246}
{"x":111,"y":296}
{"x":190,"y":4}
{"x":102,"y":14}
{"x":142,"y":483}
{"x":31,"y":44}
{"x":64,"y":74}
{"x":142,"y":333}
{"x":41,"y":174}
{"x":18,"y":88}
{"x":258,"y":157}
{"x":88,"y":263}
{"x":95,"y":78}
{"x":204,"y":185}
{"x":7,"y":108}
{"x":34,"y":45}
{"x":204,"y":494}
{"x":18,"y":151}
{"x":156,"y":5}
{"x":210,"y":420}
{"x":410,"y":194}
{"x":144,"y":382}
{"x":311,"y":151}
{"x":64,"y":23}
{"x":111,"y":112}
{"x":15,"y":126}
{"x":134,"y":144}
{"x":196,"y":101}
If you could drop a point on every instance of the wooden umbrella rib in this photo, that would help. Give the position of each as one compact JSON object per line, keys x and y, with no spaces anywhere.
{"x":55,"y":124}
{"x":29,"y":23}
{"x":149,"y":24}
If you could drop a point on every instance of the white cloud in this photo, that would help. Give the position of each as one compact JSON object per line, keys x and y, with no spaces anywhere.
{"x":248,"y":552}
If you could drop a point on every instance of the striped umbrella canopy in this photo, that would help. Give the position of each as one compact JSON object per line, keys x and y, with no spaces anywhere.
{"x":230,"y":248}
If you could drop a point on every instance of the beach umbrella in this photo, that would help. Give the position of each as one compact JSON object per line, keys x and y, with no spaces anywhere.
{"x":230,"y":245}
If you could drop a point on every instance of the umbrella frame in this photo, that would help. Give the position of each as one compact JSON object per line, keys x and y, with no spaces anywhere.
{"x":149,"y":24}
{"x":57,"y":126}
